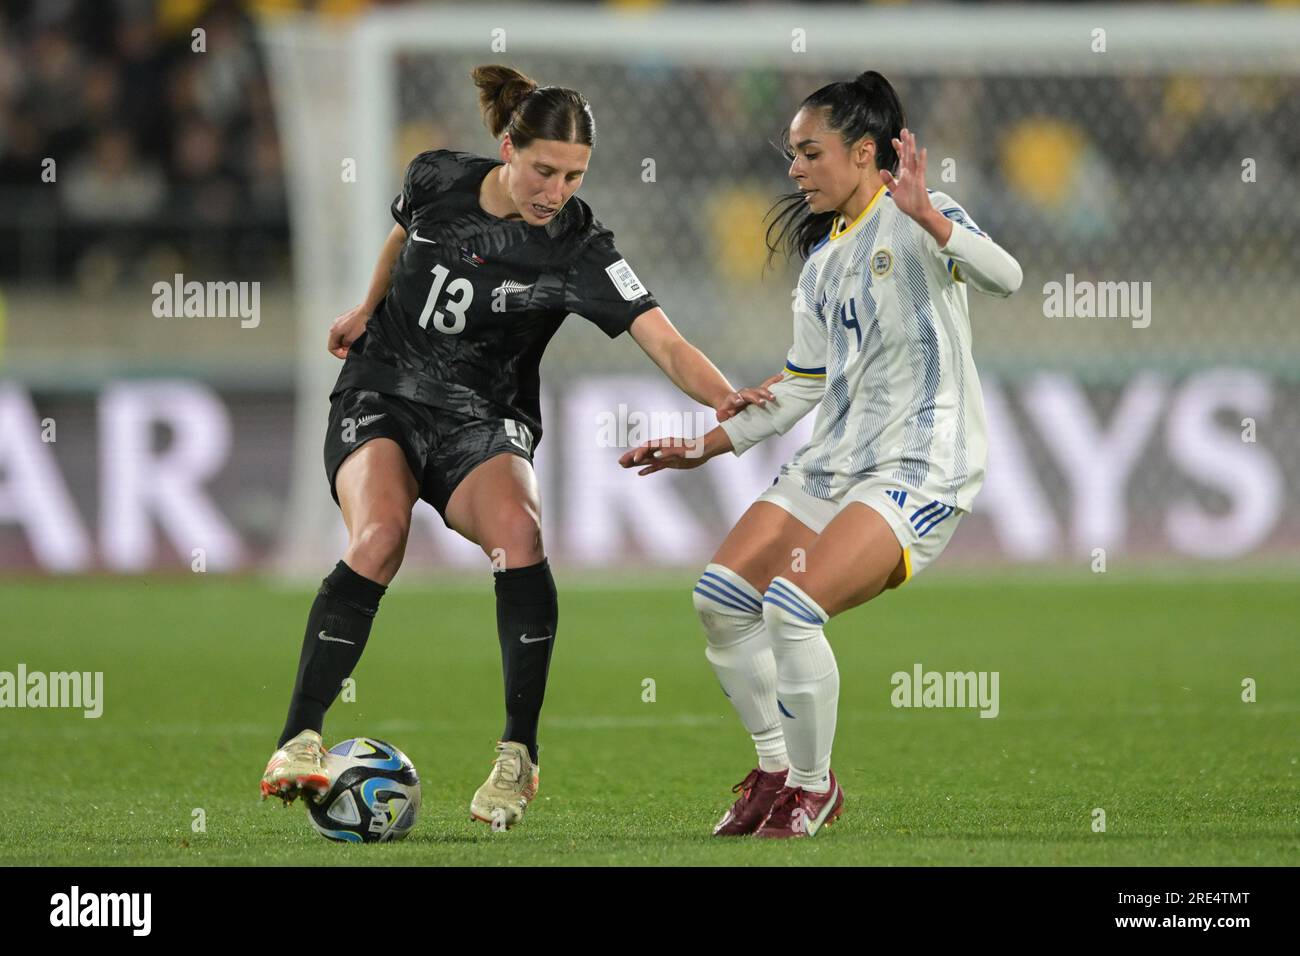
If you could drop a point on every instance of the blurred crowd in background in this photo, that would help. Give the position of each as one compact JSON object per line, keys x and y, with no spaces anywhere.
{"x":169,"y":158}
{"x":154,"y":149}
{"x":164,"y":154}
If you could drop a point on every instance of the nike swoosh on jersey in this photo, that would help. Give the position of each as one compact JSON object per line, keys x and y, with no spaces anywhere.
{"x":415,"y":234}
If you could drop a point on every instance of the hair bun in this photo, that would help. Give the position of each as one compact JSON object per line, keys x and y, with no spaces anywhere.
{"x":869,"y":80}
{"x":501,"y":91}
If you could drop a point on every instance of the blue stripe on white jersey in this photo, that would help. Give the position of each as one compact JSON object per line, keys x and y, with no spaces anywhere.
{"x":840,"y":277}
{"x":873,"y":388}
{"x":923,"y":355}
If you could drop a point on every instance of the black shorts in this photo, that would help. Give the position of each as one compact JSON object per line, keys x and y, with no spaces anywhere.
{"x":441,"y":446}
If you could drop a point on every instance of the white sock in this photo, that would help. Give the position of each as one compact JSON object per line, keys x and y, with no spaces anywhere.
{"x":807,"y":682}
{"x":741,"y":654}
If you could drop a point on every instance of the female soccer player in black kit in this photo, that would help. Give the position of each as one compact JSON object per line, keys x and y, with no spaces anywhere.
{"x":438,"y":399}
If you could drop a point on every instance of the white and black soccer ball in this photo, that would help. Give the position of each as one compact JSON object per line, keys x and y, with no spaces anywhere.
{"x":374,"y":793}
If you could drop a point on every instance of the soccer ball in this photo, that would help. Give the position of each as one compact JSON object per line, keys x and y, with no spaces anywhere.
{"x":374,"y":795}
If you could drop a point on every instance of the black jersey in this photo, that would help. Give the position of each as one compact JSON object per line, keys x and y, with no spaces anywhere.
{"x":475,"y":298}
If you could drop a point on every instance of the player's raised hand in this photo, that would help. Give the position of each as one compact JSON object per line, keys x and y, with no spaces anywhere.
{"x":908,"y":187}
{"x":660,"y":453}
{"x":346,"y":329}
{"x":742,"y":397}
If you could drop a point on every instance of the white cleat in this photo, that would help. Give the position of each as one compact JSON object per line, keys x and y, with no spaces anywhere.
{"x":508,"y":790}
{"x":296,"y":768}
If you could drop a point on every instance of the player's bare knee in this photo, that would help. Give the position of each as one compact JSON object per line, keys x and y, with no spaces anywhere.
{"x":377,"y":548}
{"x":516,"y":531}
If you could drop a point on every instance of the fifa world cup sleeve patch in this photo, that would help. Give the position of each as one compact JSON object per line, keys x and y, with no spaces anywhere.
{"x":625,"y":280}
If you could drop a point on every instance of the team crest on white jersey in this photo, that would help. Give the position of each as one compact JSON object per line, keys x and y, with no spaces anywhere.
{"x":882,"y":262}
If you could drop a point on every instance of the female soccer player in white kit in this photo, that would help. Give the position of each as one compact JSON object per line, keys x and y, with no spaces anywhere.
{"x":882,"y":344}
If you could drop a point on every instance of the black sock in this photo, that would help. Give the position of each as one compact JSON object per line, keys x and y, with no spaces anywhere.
{"x":337,"y":628}
{"x":527,"y":614}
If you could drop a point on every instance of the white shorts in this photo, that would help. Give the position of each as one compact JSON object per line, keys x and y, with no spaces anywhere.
{"x":922,"y":525}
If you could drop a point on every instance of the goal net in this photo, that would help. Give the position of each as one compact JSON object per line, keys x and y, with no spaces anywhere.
{"x":1143,"y":156}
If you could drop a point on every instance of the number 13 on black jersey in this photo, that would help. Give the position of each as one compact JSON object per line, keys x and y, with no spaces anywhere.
{"x":462,"y":291}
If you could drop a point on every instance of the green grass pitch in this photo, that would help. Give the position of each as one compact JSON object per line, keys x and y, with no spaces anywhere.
{"x":1117,"y":691}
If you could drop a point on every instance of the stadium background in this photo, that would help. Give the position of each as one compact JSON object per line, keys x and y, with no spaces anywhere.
{"x":176,"y":434}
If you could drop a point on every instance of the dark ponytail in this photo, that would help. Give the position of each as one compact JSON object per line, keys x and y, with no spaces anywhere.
{"x":512,"y":103}
{"x":864,"y":106}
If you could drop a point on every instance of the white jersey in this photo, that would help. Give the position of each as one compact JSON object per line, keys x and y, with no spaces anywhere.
{"x":881,"y":313}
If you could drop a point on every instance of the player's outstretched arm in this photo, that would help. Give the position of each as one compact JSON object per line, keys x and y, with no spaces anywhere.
{"x":660,"y":453}
{"x":690,"y":369}
{"x":984,"y":264}
{"x":794,"y":395}
{"x":347,"y":328}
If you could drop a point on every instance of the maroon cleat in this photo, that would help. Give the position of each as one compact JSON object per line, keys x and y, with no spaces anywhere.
{"x":757,"y":791}
{"x":797,"y":812}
